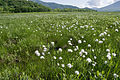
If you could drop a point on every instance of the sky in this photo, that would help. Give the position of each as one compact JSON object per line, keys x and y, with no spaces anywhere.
{"x":84,"y":3}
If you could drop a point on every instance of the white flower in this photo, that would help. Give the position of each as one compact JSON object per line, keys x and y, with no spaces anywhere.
{"x":80,"y":53}
{"x":43,"y":46}
{"x":60,"y":58}
{"x":70,"y":50}
{"x":103,"y":39}
{"x":71,"y":39}
{"x":79,"y":41}
{"x":93,"y":50}
{"x":52,"y":43}
{"x":93,"y":29}
{"x":108,"y":50}
{"x":84,"y":41}
{"x":48,"y":52}
{"x":69,"y":65}
{"x":95,"y":57}
{"x":82,"y":36}
{"x":54,"y":57}
{"x":114,"y":54}
{"x":108,"y":34}
{"x":60,"y":49}
{"x":89,"y":60}
{"x":77,"y":47}
{"x":70,"y":44}
{"x":108,"y":56}
{"x":93,"y":64}
{"x":77,"y":72}
{"x":43,"y":53}
{"x":45,"y":49}
{"x":37,"y":53}
{"x":86,"y":53}
{"x":105,"y":62}
{"x":42,"y":57}
{"x":115,"y":75}
{"x":89,"y":45}
{"x":82,"y":50}
{"x":83,"y":56}
{"x":116,"y":30}
{"x":62,"y":65}
{"x":105,"y":32}
{"x":96,"y":40}
{"x":58,"y":64}
{"x":100,"y":42}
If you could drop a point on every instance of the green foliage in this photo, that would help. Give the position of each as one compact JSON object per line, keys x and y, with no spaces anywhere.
{"x":1,"y":9}
{"x":73,"y":10}
{"x":29,"y":6}
{"x":22,"y":6}
{"x":24,"y":33}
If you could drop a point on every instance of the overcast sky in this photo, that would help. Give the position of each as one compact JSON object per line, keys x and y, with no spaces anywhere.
{"x":84,"y":3}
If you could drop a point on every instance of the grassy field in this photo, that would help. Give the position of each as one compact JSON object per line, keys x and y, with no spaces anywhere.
{"x":60,"y":46}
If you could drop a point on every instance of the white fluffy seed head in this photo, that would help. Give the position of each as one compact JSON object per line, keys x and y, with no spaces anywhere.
{"x":70,"y":50}
{"x":42,"y":57}
{"x":79,"y":41}
{"x":52,"y":43}
{"x":60,"y":49}
{"x":62,"y":65}
{"x":77,"y":72}
{"x":89,"y":60}
{"x":70,"y":65}
{"x":89,"y":45}
{"x":37,"y":53}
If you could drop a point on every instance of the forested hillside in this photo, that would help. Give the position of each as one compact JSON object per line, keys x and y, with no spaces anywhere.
{"x":16,"y":6}
{"x":21,"y":6}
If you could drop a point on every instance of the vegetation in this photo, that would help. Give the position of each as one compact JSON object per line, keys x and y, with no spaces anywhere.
{"x":60,"y":46}
{"x":16,"y":6}
{"x":55,"y":5}
{"x":22,"y":6}
{"x":73,"y":10}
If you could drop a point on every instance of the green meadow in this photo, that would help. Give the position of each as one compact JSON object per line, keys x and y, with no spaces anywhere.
{"x":60,"y":46}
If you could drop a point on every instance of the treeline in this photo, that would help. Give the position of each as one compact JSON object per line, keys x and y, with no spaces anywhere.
{"x":73,"y":10}
{"x":16,"y":6}
{"x":21,"y":6}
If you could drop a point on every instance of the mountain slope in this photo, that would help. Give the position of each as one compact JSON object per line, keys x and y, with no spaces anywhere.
{"x":22,"y":6}
{"x":113,"y":7}
{"x":54,"y":5}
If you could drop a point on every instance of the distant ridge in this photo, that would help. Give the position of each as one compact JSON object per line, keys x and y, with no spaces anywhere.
{"x":113,"y":7}
{"x":54,"y":5}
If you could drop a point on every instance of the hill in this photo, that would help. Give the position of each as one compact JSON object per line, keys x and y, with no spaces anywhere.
{"x":113,"y":7}
{"x":22,"y":6}
{"x":54,"y":5}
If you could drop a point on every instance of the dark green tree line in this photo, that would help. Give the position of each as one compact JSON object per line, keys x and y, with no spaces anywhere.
{"x":22,"y":6}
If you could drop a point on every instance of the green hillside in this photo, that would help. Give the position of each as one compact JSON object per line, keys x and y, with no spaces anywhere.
{"x":55,"y":5}
{"x":21,"y":6}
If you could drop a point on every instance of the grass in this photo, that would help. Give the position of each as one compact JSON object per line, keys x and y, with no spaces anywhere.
{"x":79,"y":46}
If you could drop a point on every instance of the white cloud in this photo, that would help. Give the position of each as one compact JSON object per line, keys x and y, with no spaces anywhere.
{"x":94,"y":3}
{"x":100,"y":3}
{"x":84,"y":3}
